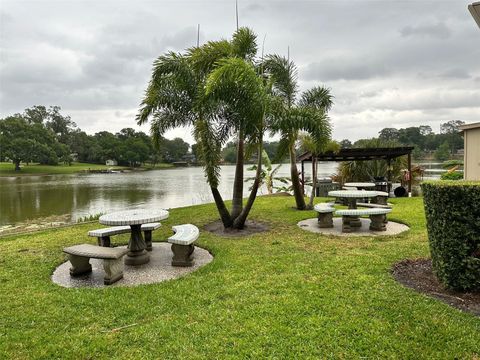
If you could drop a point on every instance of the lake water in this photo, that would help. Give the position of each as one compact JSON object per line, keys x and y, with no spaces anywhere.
{"x":32,"y":197}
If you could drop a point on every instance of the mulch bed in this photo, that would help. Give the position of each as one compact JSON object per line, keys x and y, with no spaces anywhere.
{"x":418,"y":275}
{"x":251,"y":227}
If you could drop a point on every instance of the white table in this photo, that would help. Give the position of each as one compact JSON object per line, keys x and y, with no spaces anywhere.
{"x":353,"y":195}
{"x":137,"y":254}
{"x":360,"y":185}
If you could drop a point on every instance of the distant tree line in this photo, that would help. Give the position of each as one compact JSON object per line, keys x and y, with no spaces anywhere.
{"x":442,"y":146}
{"x":43,"y":135}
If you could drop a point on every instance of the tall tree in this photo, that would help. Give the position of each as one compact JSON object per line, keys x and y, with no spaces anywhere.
{"x":389,"y":134}
{"x":216,"y":89}
{"x":288,"y":117}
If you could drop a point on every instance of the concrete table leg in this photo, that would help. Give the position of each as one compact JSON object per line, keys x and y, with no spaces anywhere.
{"x":346,"y":228}
{"x":354,"y":220}
{"x":138,"y":254}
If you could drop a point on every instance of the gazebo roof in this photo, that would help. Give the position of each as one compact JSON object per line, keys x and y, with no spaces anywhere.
{"x":359,"y":154}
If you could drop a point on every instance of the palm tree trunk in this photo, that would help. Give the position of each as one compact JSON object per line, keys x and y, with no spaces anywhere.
{"x":297,"y":187}
{"x":239,"y":221}
{"x":222,"y":209}
{"x":237,"y":199}
{"x":314,"y":183}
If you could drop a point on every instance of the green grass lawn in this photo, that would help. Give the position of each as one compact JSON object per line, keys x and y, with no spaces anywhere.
{"x":8,"y":169}
{"x":283,"y":294}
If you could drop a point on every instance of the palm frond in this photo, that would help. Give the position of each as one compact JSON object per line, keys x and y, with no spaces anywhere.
{"x":235,"y":83}
{"x":210,"y":151}
{"x":317,"y":97}
{"x":244,"y":44}
{"x":204,"y":58}
{"x":283,"y":74}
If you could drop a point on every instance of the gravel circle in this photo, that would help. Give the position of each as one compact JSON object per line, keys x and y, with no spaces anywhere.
{"x":157,"y":270}
{"x":393,"y":228}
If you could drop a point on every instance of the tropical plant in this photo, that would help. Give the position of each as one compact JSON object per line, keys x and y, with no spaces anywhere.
{"x":365,"y":170}
{"x":452,"y":175}
{"x":267,"y":175}
{"x":216,"y":89}
{"x":289,"y":116}
{"x":307,"y":143}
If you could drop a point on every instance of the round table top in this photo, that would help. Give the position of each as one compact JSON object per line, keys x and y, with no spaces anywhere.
{"x":352,"y":193}
{"x":359,"y":184}
{"x":133,"y":217}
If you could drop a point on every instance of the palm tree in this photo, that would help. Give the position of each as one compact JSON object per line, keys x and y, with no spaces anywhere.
{"x":216,"y":89}
{"x":267,"y":176}
{"x":308,"y":144}
{"x":366,"y":170}
{"x":288,"y":117}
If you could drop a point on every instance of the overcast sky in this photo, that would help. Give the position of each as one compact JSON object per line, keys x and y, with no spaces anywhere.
{"x":388,"y":63}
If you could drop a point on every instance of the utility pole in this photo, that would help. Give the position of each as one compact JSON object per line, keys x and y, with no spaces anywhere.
{"x":236,"y":12}
{"x":198,"y":35}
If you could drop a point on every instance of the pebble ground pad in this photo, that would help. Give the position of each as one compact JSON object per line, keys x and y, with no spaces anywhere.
{"x":311,"y":225}
{"x":158,"y":269}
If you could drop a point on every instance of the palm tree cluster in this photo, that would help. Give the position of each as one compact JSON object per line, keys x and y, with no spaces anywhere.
{"x":222,"y":90}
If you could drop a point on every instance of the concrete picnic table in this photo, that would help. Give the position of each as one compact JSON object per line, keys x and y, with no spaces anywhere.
{"x":353,"y":195}
{"x":137,"y":254}
{"x":360,"y":185}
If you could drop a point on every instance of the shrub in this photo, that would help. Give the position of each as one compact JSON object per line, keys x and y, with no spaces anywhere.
{"x":454,"y":175}
{"x":453,"y":224}
{"x":451,"y":163}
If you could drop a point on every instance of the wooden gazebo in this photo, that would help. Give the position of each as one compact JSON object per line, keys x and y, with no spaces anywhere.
{"x":360,"y":154}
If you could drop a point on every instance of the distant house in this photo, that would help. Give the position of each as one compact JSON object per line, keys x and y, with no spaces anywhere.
{"x":111,"y":162}
{"x":471,"y":156}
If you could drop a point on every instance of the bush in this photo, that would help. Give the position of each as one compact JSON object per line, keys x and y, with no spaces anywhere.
{"x":451,"y":163}
{"x":455,"y":175}
{"x":453,"y":224}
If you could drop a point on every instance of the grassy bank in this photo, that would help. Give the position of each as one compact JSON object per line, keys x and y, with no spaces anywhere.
{"x":286,"y":293}
{"x":8,"y":169}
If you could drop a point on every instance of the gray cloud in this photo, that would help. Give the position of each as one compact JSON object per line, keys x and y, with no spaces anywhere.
{"x":439,"y":31}
{"x":386,"y":62}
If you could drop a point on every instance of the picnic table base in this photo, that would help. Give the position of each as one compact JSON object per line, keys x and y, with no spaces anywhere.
{"x":138,"y":254}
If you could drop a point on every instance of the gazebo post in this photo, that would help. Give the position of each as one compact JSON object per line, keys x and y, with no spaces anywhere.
{"x":389,"y":174}
{"x":303,"y":177}
{"x":409,"y":174}
{"x":313,"y":174}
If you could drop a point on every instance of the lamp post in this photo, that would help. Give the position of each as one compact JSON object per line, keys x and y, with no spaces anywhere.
{"x":475,"y":11}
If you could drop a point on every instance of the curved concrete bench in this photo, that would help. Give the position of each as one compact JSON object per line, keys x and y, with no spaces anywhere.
{"x":80,"y":255}
{"x":375,"y":205}
{"x":325,"y":214}
{"x":378,"y":218}
{"x":182,"y":244}
{"x":104,"y":234}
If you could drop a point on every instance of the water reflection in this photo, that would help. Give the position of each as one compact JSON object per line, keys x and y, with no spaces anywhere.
{"x":32,"y":197}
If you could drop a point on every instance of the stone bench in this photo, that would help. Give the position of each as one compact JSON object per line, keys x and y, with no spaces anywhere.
{"x":182,"y":244}
{"x":80,"y":255}
{"x":378,"y":218}
{"x":325,"y":214}
{"x":104,"y":234}
{"x":375,"y":205}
